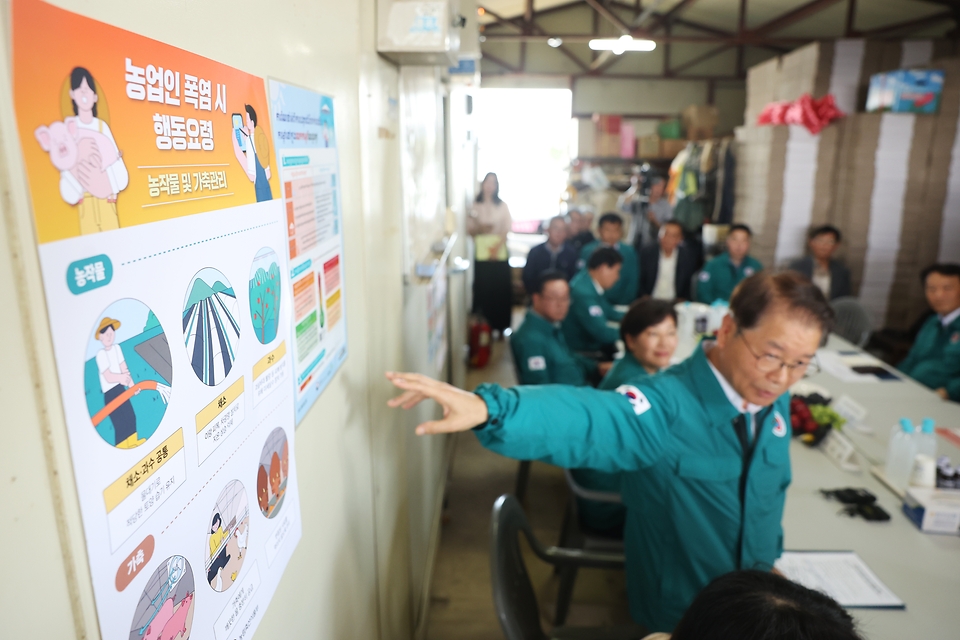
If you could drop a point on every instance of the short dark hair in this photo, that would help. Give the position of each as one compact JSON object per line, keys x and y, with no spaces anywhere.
{"x":548,"y":276}
{"x":943,"y":268}
{"x":610,"y":218}
{"x":250,"y":112}
{"x":604,"y":256}
{"x":757,"y":605}
{"x":740,"y":227}
{"x":825,"y":228}
{"x":675,"y":223}
{"x":644,"y":314}
{"x":754,"y":297}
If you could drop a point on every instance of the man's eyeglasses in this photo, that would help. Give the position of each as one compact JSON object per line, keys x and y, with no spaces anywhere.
{"x":768,"y":363}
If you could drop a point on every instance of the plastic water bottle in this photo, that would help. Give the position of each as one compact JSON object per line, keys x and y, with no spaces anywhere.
{"x":927,"y":439}
{"x":901,"y":451}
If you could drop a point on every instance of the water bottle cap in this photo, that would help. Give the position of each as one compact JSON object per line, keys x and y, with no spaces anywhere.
{"x":906,"y":425}
{"x":927,"y":425}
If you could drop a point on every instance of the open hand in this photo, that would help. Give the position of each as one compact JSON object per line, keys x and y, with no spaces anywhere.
{"x":462,"y":410}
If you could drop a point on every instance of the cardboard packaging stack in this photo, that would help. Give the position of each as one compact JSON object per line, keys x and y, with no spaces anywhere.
{"x":883,"y":179}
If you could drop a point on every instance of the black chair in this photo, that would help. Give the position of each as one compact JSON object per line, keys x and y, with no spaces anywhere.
{"x":513,"y":594}
{"x":575,"y":535}
{"x":853,"y":322}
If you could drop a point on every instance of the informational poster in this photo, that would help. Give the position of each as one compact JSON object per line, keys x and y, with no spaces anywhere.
{"x":163,"y":255}
{"x":437,"y":319}
{"x":305,"y":138}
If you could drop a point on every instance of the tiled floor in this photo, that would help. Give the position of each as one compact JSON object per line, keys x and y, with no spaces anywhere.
{"x":461,"y":603}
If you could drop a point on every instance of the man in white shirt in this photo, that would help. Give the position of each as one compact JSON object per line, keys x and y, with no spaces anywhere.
{"x":666,"y":269}
{"x":115,"y":378}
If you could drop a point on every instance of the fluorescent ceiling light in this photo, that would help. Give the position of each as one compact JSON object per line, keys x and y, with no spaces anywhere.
{"x":554,"y":42}
{"x":621,"y":44}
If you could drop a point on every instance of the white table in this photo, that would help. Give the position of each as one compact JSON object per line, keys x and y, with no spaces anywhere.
{"x":922,"y":569}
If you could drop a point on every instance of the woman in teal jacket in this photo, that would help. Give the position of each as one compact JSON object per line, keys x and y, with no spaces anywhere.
{"x":649,"y":332}
{"x":703,"y":447}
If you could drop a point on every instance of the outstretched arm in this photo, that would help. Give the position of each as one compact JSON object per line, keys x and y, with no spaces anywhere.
{"x":572,"y":427}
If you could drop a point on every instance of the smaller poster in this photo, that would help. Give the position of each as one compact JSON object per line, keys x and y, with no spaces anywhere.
{"x":306,"y":144}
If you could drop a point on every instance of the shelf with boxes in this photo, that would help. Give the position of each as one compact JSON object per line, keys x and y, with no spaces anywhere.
{"x":628,"y":138}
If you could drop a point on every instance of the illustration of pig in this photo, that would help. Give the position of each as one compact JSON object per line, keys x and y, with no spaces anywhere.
{"x":158,"y":624}
{"x":61,"y":141}
{"x":177,"y":625}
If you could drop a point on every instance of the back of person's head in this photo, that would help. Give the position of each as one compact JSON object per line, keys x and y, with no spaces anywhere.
{"x":604,"y":256}
{"x":948,"y":269}
{"x":610,"y":218}
{"x":759,"y":605}
{"x":825,"y":229}
{"x":644,"y":314}
{"x":546,"y":277}
{"x":761,"y":292}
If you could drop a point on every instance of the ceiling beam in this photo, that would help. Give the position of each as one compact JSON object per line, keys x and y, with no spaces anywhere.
{"x":849,"y":27}
{"x":793,"y":16}
{"x":701,"y":58}
{"x":501,"y":63}
{"x":609,"y":15}
{"x":500,"y":19}
{"x":732,"y":39}
{"x":909,"y":25}
{"x":663,"y":18}
{"x":562,"y":48}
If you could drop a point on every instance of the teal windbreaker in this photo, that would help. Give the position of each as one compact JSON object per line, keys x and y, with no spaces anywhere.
{"x":934,"y":359}
{"x":585,"y":326}
{"x":628,"y":286}
{"x":698,"y":506}
{"x":719,"y":277}
{"x":542,"y":356}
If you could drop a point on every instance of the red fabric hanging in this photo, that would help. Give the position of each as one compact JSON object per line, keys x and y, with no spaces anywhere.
{"x":814,"y":114}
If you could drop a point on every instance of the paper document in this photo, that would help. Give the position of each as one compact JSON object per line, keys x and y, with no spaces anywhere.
{"x":854,"y":366}
{"x":842,"y":575}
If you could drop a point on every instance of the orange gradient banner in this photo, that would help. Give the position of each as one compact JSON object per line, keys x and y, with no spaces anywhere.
{"x":161,"y":133}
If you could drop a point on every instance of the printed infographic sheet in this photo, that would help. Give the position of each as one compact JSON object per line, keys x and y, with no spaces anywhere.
{"x":163,"y":253}
{"x":305,"y":138}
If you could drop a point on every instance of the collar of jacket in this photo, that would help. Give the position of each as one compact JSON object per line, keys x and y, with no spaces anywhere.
{"x":540,"y":323}
{"x":708,"y":389}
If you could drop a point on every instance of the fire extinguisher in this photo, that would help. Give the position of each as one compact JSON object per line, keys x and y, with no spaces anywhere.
{"x":479,"y":343}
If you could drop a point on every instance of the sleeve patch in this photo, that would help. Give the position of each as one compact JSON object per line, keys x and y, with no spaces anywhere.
{"x":639,"y":401}
{"x":537,"y":363}
{"x":704,"y":276}
{"x":596,"y":311}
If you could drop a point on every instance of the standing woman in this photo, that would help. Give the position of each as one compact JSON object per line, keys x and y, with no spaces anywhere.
{"x":488,"y":223}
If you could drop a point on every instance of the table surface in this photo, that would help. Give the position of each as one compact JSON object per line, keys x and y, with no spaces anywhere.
{"x":922,"y":569}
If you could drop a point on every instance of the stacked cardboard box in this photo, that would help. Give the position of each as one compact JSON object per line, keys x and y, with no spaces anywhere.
{"x":893,"y":240}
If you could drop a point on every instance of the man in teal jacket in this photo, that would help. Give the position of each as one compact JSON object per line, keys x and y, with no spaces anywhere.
{"x":934,"y":360}
{"x":585,"y":327}
{"x":540,"y":351}
{"x":722,"y":274}
{"x":703,"y":446}
{"x":627,"y":288}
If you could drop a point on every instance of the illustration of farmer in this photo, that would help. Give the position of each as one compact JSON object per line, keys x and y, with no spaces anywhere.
{"x":114,"y":380}
{"x":254,"y":157}
{"x":217,"y":536}
{"x":82,"y":147}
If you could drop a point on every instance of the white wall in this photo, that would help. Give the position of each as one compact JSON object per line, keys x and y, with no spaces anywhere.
{"x":352,"y":573}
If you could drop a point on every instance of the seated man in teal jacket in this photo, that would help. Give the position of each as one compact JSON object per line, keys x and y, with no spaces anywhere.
{"x":934,"y":360}
{"x":610,"y":229}
{"x":722,"y":274}
{"x":649,"y":332}
{"x":704,"y":447}
{"x":585,"y":327}
{"x":540,"y":351}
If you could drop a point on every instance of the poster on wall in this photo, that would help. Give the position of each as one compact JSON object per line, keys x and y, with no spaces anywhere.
{"x":305,"y":139}
{"x":161,"y":241}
